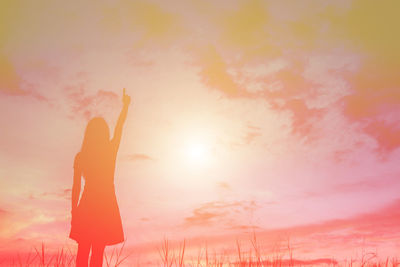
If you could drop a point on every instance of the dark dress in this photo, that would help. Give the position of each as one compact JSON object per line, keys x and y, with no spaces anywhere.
{"x":97,"y":218}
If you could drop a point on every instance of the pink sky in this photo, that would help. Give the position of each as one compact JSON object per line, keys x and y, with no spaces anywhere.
{"x":294,"y":109}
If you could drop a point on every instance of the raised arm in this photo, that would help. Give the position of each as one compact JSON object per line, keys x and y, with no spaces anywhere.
{"x":126,"y":100}
{"x":76,"y":185}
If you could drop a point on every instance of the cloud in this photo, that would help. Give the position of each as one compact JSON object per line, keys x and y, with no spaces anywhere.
{"x":149,"y":19}
{"x":84,"y":104}
{"x":215,"y":212}
{"x":9,"y":79}
{"x":303,"y":117}
{"x":375,"y":84}
{"x":107,"y":95}
{"x":359,"y":25}
{"x":214,"y":73}
{"x":375,"y":102}
{"x":361,"y":28}
{"x":138,"y":157}
{"x":378,"y":229}
{"x":283,"y":87}
{"x":223,"y":185}
{"x":387,"y":135}
{"x":252,"y":133}
{"x":382,"y":224}
{"x":367,"y":30}
{"x":245,"y":228}
{"x":365,"y":185}
{"x":8,"y":10}
{"x":374,"y":90}
{"x":61,"y":194}
{"x":305,"y":90}
{"x":245,"y":26}
{"x":305,"y":31}
{"x":202,"y":217}
{"x":18,"y":221}
{"x":287,"y":90}
{"x":11,"y":82}
{"x":372,"y":27}
{"x":3,"y":214}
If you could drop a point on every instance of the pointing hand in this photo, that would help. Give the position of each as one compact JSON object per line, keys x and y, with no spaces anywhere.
{"x":126,"y":99}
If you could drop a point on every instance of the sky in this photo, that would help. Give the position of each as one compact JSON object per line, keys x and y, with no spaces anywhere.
{"x":279,"y":117}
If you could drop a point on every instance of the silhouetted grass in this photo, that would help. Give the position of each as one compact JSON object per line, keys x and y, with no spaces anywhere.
{"x":116,"y":258}
{"x":41,"y":258}
{"x":176,"y":256}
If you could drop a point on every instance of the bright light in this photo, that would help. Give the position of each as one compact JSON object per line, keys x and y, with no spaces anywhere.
{"x":197,"y":152}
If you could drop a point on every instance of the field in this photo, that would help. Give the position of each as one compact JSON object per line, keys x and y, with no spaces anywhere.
{"x":176,"y":256}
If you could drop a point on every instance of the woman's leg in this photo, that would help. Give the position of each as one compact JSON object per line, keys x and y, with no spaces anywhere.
{"x":96,"y":260}
{"x":83,"y":254}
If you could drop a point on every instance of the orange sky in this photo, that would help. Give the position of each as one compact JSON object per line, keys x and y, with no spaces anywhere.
{"x":277,"y":116}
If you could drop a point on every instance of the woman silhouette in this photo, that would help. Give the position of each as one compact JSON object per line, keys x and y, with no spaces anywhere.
{"x":96,"y":221}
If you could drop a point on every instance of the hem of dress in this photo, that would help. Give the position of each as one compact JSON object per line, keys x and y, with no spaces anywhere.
{"x":110,"y":243}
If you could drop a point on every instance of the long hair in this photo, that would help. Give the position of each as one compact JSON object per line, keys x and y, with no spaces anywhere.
{"x":96,"y":142}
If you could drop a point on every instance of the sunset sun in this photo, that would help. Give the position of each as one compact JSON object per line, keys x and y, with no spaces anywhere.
{"x":197,"y":151}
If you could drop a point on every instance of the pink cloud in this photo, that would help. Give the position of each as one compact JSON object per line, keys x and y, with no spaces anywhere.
{"x":3,"y":215}
{"x":84,"y":104}
{"x":369,"y":96}
{"x":139,"y":157}
{"x":216,"y":212}
{"x":366,"y":184}
{"x":13,"y":84}
{"x":290,"y":95}
{"x":375,"y":96}
{"x":215,"y":75}
{"x":224,"y":186}
{"x":252,"y":133}
{"x":9,"y":78}
{"x":61,"y":194}
{"x":338,"y":237}
{"x":382,"y":224}
{"x":302,"y":116}
{"x":387,"y":135}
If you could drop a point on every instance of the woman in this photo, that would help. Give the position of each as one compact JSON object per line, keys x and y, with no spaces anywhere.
{"x":96,"y":221}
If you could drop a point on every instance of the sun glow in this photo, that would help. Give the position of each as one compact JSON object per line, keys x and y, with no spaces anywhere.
{"x":197,"y":151}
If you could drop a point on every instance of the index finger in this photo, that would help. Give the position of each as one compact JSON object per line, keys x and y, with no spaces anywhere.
{"x":124,"y":92}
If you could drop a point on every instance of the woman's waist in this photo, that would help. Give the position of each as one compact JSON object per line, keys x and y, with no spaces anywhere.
{"x":99,"y":187}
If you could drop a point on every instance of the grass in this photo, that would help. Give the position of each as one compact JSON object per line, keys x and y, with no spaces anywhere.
{"x":116,"y":258}
{"x":176,"y":256}
{"x":41,"y":258}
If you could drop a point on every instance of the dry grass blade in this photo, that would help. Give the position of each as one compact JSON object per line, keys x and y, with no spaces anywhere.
{"x":108,"y":262}
{"x":120,"y":260}
{"x":181,"y":254}
{"x":239,"y":251}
